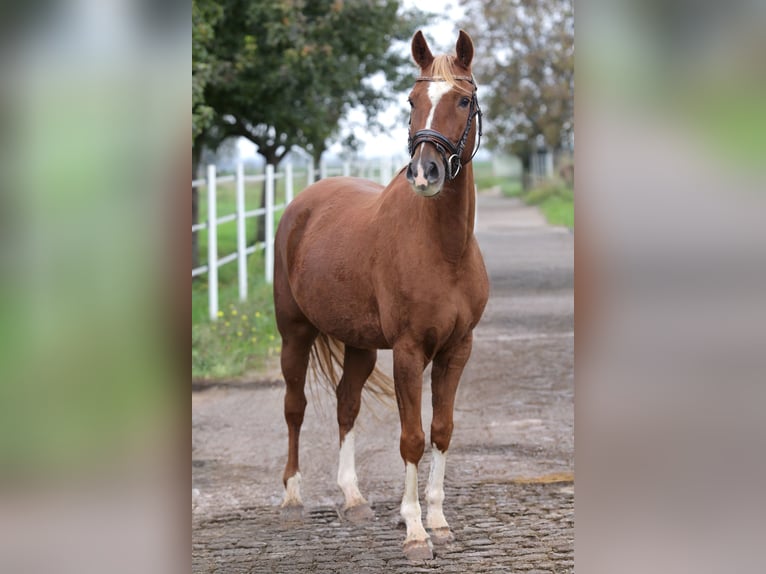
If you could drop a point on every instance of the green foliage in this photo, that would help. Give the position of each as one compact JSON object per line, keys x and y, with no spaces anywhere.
{"x":526,"y":52}
{"x":205,"y":14}
{"x":287,"y":71}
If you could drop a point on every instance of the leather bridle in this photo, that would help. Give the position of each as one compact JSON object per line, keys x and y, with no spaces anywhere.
{"x":451,"y":153}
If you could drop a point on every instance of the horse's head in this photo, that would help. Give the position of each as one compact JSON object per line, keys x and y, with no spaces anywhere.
{"x":444,"y":104}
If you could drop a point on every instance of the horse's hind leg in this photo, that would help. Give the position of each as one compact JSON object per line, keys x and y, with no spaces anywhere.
{"x":357,"y":366}
{"x":445,"y":376}
{"x":297,"y":340}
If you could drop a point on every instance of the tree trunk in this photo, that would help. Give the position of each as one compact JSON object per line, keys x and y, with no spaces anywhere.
{"x":316,"y":157}
{"x":526,"y":177}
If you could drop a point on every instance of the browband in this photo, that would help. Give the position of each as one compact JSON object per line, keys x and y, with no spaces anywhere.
{"x":440,"y":79}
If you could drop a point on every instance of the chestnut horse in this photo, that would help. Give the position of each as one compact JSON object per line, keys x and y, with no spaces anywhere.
{"x":360,"y":268}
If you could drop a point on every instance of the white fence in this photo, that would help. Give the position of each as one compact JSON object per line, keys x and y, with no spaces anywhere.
{"x":382,"y":171}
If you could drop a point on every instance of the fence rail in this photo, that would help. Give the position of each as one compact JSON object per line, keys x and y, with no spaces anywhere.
{"x":382,"y":172}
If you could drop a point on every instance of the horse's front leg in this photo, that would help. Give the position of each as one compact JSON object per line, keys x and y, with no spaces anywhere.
{"x":408,"y":380}
{"x":445,"y":376}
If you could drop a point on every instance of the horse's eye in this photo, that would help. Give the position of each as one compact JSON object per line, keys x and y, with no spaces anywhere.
{"x":409,"y":101}
{"x":464,"y":102}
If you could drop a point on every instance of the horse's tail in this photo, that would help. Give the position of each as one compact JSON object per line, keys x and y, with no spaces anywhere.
{"x":327,"y":359}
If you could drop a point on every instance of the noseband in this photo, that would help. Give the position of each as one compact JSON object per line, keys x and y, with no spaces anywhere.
{"x":451,"y":153}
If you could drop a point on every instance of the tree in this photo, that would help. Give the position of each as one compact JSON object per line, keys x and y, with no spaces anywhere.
{"x":287,"y":71}
{"x":527,"y":62}
{"x":205,"y":14}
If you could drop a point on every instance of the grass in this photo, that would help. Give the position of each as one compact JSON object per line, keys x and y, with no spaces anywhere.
{"x":559,"y":211}
{"x":244,"y":336}
{"x":555,"y":199}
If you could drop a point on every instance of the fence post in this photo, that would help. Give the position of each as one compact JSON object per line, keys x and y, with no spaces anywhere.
{"x":310,"y":171}
{"x":241,"y":238}
{"x":322,"y":170}
{"x":212,"y":244}
{"x":288,"y":183}
{"x":548,"y":163}
{"x":269,"y":223}
{"x":346,"y":168}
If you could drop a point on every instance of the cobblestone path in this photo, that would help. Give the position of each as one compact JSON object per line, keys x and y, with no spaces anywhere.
{"x":498,"y":527}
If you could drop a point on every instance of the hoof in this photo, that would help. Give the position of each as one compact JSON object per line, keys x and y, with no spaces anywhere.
{"x":359,"y":513}
{"x":417,"y":550}
{"x":292,"y":514}
{"x":442,"y":536}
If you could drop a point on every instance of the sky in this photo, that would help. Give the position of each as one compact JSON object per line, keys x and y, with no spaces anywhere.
{"x":441,"y":36}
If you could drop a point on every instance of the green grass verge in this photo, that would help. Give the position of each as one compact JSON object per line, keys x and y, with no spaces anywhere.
{"x":244,"y":337}
{"x":558,"y":211}
{"x":555,"y":200}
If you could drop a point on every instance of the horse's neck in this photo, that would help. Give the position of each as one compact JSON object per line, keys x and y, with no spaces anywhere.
{"x":448,"y":218}
{"x":455,"y":214}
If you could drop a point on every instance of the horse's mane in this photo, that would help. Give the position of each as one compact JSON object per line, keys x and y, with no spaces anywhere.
{"x":442,"y":68}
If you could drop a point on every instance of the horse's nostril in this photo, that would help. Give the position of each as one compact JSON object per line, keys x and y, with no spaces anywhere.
{"x":409,"y":175}
{"x":433,"y":171}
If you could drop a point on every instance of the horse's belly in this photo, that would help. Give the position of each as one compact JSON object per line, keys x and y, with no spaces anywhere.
{"x":345,"y":309}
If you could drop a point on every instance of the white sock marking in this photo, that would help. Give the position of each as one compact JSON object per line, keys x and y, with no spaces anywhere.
{"x":410,"y":509}
{"x":293,"y":491}
{"x":347,"y":472}
{"x":435,"y":490}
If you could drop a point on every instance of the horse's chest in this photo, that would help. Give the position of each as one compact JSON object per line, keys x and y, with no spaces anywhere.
{"x":433,"y":302}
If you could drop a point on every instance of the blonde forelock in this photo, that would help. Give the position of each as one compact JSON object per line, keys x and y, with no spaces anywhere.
{"x":442,"y":69}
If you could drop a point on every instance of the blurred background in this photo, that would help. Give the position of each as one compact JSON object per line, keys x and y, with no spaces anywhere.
{"x":94,"y":213}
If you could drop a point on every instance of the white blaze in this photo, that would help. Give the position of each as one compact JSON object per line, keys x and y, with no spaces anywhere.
{"x":435,"y":92}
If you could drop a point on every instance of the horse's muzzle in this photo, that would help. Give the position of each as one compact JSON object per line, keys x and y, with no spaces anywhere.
{"x":425,"y":173}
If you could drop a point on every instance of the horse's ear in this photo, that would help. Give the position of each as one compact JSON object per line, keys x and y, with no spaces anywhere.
{"x":421,"y":53}
{"x":464,"y":49}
